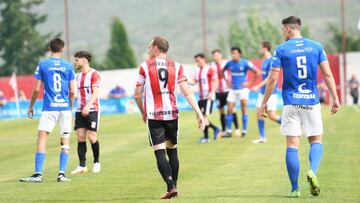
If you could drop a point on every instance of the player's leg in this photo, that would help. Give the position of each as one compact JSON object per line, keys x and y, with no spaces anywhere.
{"x":231,"y":99}
{"x":272,"y":105}
{"x":260,"y":121}
{"x":157,"y":141}
{"x":313,"y":129}
{"x":80,"y":127}
{"x":221,"y":100}
{"x":65,"y":119}
{"x":92,"y":128}
{"x":47,"y":123}
{"x":171,"y":133}
{"x":209,"y":106}
{"x":245,"y":117}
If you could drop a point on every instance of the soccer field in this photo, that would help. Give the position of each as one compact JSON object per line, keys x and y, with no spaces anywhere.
{"x":227,"y":170}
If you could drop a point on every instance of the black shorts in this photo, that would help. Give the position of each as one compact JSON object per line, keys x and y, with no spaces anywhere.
{"x":91,"y":122}
{"x":221,"y":99}
{"x":205,"y":106}
{"x":161,"y":131}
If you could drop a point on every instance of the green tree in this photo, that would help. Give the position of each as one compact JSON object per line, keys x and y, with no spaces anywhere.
{"x":120,"y":54}
{"x":249,"y":35}
{"x":335,"y":42}
{"x":21,"y":45}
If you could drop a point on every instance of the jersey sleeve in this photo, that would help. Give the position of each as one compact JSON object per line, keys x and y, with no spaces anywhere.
{"x":95,"y":79}
{"x":322,"y":55}
{"x":181,"y":77}
{"x":37,"y":73}
{"x":142,"y":77}
{"x":250,"y":65}
{"x":276,"y":59}
{"x":227,"y":65}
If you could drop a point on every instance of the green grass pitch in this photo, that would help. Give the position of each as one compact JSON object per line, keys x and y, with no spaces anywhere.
{"x":228,"y":170}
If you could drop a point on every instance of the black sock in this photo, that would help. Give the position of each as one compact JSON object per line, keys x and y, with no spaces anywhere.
{"x":212,"y":126}
{"x":235,"y":120}
{"x":174,"y":163}
{"x":96,"y":151}
{"x":164,"y":168}
{"x":82,"y":153}
{"x":222,"y":119}
{"x":206,"y":132}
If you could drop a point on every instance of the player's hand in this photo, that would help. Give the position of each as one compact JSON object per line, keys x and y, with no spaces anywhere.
{"x":264,"y":110}
{"x":245,"y":84}
{"x":335,"y":107}
{"x":255,"y":89}
{"x":30,"y":112}
{"x":201,"y":122}
{"x":85,"y":111}
{"x":211,"y":96}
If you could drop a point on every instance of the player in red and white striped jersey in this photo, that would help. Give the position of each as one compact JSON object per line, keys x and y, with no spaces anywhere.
{"x":206,"y":77}
{"x":160,"y":78}
{"x":223,"y":90}
{"x":87,"y":112}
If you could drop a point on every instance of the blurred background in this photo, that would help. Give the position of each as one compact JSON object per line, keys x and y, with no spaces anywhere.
{"x":117,"y":33}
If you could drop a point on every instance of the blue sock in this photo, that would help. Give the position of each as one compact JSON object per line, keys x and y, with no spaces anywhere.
{"x":39,"y":162}
{"x":63,"y":161}
{"x":229,"y":119}
{"x":293,"y":167}
{"x":315,"y":155}
{"x":279,"y":121}
{"x":245,"y":121}
{"x":261,"y":125}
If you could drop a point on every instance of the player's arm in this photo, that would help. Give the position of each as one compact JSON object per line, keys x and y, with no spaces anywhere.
{"x":256,"y":72}
{"x":72,"y":93}
{"x":214,"y":86}
{"x":270,"y":86}
{"x":34,"y":97}
{"x":138,"y":99}
{"x":330,"y":83}
{"x":189,"y":96}
{"x":261,"y":84}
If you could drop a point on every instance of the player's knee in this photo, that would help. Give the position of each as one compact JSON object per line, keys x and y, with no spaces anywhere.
{"x":159,"y":146}
{"x":170,"y":145}
{"x":315,"y":139}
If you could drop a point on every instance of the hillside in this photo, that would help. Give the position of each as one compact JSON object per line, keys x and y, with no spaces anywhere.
{"x":180,"y":21}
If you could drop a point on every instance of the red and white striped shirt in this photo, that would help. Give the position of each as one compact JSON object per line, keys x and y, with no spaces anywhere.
{"x":205,"y":76}
{"x":160,"y":78}
{"x":85,"y":84}
{"x":223,"y":85}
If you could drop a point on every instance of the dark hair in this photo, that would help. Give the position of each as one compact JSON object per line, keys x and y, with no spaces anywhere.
{"x":291,"y":20}
{"x":56,"y":45}
{"x":266,"y":45}
{"x":236,"y":49}
{"x":200,"y":55}
{"x":161,"y":43}
{"x":216,"y":51}
{"x":83,"y":54}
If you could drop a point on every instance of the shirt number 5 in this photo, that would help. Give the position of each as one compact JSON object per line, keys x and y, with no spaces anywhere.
{"x":301,"y":65}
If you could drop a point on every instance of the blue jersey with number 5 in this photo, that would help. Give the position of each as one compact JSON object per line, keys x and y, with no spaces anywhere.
{"x":55,"y":74}
{"x":299,"y":58}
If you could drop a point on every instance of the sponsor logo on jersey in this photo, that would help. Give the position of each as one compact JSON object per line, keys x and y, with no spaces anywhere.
{"x":304,"y":93}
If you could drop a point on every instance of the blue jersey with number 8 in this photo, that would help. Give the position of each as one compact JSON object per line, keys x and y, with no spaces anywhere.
{"x":55,"y":74}
{"x":299,"y":58}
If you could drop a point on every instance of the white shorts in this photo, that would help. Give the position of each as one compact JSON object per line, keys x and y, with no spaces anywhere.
{"x":302,"y":119}
{"x":271,"y":104}
{"x":238,"y":95}
{"x":49,"y":119}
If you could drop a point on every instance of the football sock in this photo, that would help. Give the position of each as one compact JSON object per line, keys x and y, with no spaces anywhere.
{"x":261,"y":126}
{"x":235,"y":120}
{"x":174,"y":163}
{"x":206,"y":132}
{"x":245,"y":121}
{"x":229,"y":119}
{"x":293,"y":167}
{"x":64,"y":157}
{"x":164,"y":168}
{"x":82,"y":153}
{"x":96,"y":151}
{"x":315,"y":155}
{"x":39,"y":162}
{"x":279,"y":121}
{"x":222,"y":120}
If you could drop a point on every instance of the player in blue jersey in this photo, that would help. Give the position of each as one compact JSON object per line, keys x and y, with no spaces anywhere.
{"x":265,"y":48}
{"x":58,"y":79}
{"x":299,"y":59}
{"x":238,"y":88}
